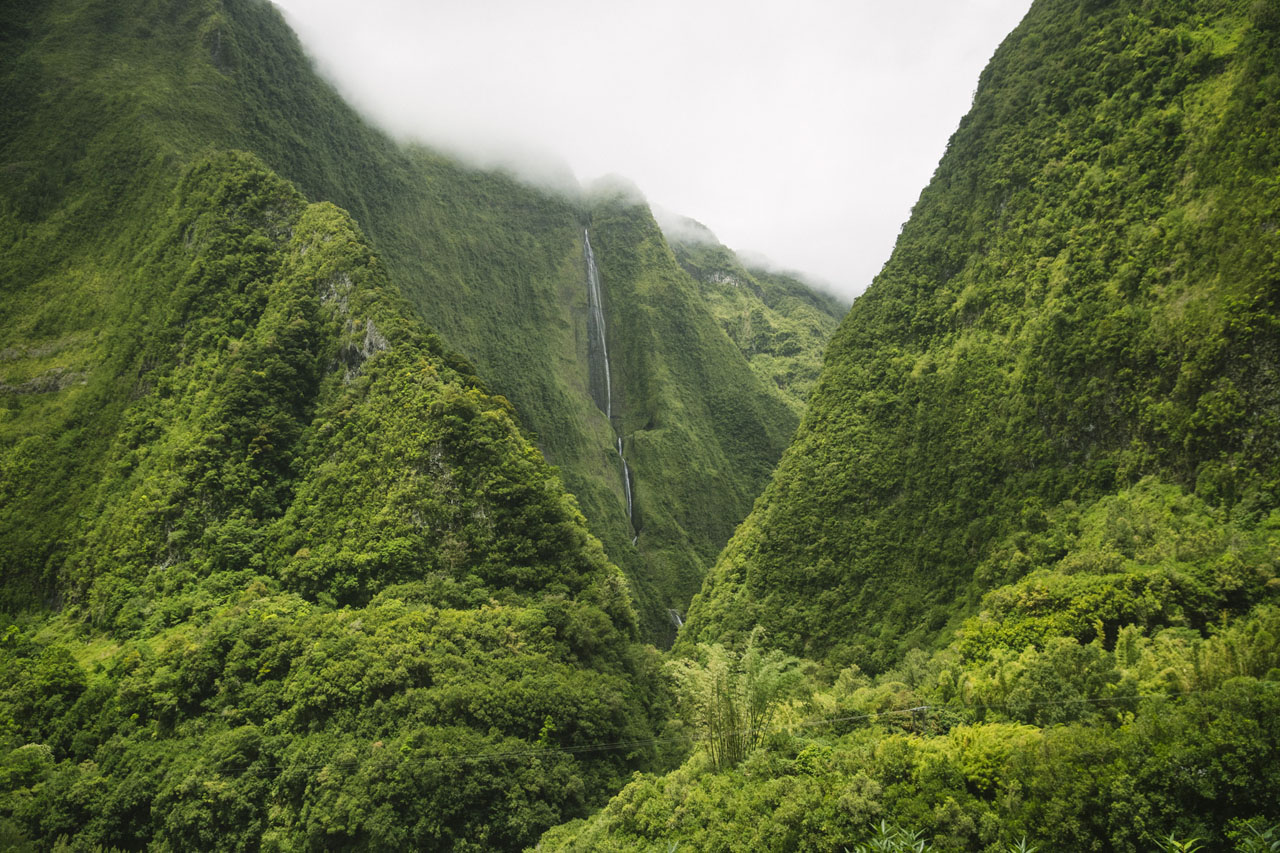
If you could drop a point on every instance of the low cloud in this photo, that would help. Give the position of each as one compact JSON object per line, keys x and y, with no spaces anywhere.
{"x":678,"y":228}
{"x":803,"y":131}
{"x":615,"y":189}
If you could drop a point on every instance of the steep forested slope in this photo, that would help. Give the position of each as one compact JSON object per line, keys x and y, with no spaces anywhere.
{"x":278,"y":568}
{"x":1029,"y":530}
{"x":1084,"y":296}
{"x":1087,"y":707}
{"x":100,"y":92}
{"x":695,"y":441}
{"x":780,"y":324}
{"x":317,"y":587}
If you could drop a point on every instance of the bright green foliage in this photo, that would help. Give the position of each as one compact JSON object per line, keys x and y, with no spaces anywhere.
{"x":1073,"y":747}
{"x":732,"y":699}
{"x":1084,"y":296}
{"x":270,"y":721}
{"x":1257,"y":837}
{"x":322,"y":590}
{"x":781,"y":325}
{"x":1028,"y":528}
{"x":893,"y":839}
{"x":1100,"y":716}
{"x":105,"y":106}
{"x":299,"y":425}
{"x":1149,"y":556}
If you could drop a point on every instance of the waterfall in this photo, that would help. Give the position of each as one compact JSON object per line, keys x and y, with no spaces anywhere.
{"x":595,"y":335}
{"x":626,"y":479}
{"x":601,"y":382}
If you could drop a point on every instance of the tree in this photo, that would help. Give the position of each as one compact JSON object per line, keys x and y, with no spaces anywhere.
{"x":731,"y":699}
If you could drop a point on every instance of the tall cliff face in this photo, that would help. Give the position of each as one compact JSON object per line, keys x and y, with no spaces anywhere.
{"x":1085,"y":295}
{"x":106,"y":105}
{"x":698,"y":427}
{"x":780,"y":324}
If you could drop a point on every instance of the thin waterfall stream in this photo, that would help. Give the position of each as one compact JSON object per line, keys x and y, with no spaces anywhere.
{"x":598,"y":363}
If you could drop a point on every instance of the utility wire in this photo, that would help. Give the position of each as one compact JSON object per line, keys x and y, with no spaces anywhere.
{"x":579,"y":749}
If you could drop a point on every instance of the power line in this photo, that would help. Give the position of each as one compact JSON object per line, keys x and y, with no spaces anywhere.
{"x":579,"y":749}
{"x":989,"y":706}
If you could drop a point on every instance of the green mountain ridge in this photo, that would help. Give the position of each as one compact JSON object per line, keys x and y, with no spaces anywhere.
{"x":280,"y":570}
{"x":1026,"y":536}
{"x":104,"y":95}
{"x":310,"y":531}
{"x":1081,"y":298}
{"x":779,"y":323}
{"x":315,"y":534}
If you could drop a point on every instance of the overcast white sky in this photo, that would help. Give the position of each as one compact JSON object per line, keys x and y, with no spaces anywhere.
{"x":802,"y":131}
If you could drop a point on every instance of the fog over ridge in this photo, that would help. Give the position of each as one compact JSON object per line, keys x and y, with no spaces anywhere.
{"x":801,"y":133}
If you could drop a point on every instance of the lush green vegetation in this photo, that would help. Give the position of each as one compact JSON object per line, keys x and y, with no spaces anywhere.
{"x":1103,"y":704}
{"x":1118,"y":778}
{"x":281,"y":571}
{"x":1028,"y":534}
{"x":271,"y":722}
{"x":732,"y":699}
{"x":324,"y":591}
{"x":780,"y":324}
{"x":1084,"y":296}
{"x":106,"y":105}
